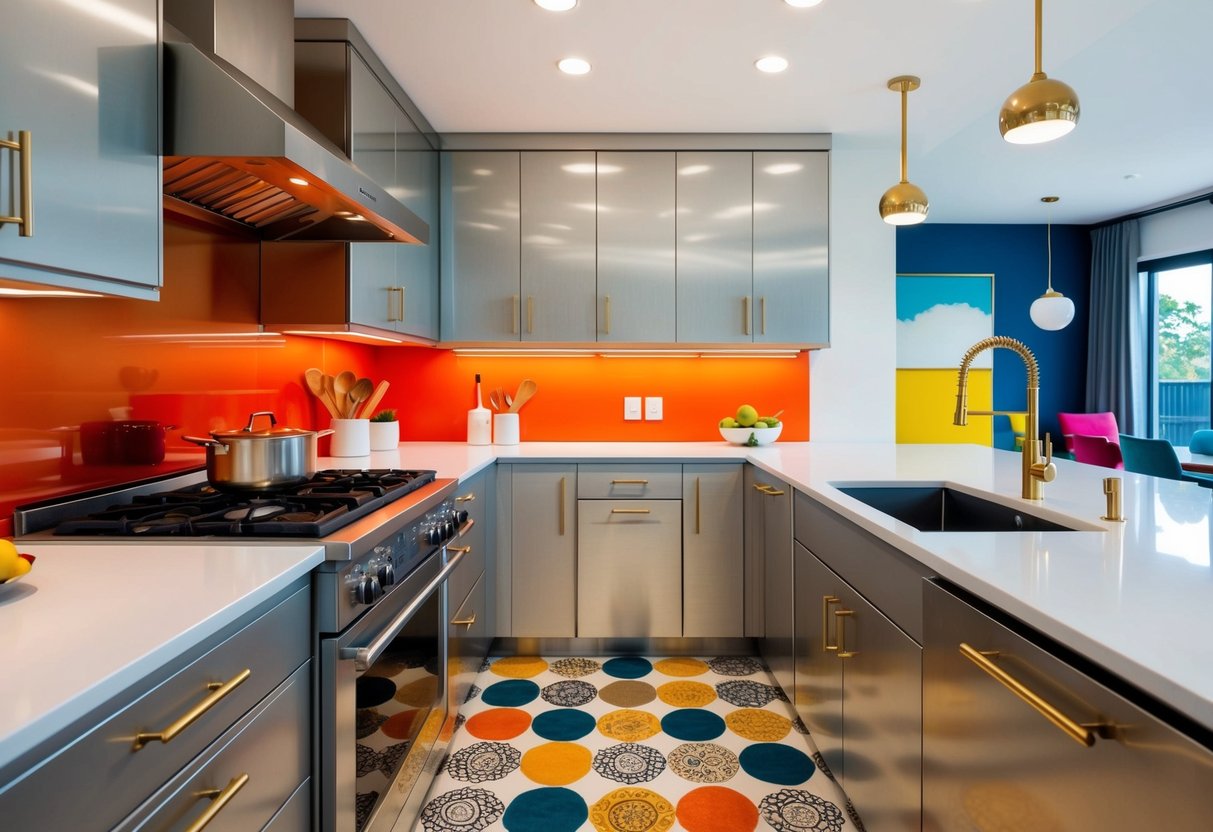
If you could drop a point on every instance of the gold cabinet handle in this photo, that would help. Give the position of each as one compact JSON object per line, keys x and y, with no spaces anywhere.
{"x":23,"y":145}
{"x":464,"y":622}
{"x":697,"y":505}
{"x":769,"y":490}
{"x":530,"y":314}
{"x":514,"y":314}
{"x":745,"y":315}
{"x":631,"y":511}
{"x":826,"y":602}
{"x":467,"y":498}
{"x":562,"y":479}
{"x":459,"y":550}
{"x":395,"y":308}
{"x":219,"y":798}
{"x":218,"y":691}
{"x":1081,"y":734}
{"x":840,"y":618}
{"x":629,"y":482}
{"x":401,"y":318}
{"x":606,"y":313}
{"x":762,"y":307}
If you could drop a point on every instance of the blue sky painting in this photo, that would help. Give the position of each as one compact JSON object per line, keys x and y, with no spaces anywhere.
{"x":940,"y":316}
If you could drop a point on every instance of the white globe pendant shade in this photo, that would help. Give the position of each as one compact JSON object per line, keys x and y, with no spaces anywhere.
{"x":1052,"y":311}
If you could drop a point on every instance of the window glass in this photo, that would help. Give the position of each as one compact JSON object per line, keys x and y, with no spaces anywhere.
{"x":1182,"y":293}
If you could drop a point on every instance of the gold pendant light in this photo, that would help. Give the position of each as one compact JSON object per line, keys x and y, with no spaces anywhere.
{"x":1041,"y":110}
{"x":904,"y":203}
{"x":1052,"y":310}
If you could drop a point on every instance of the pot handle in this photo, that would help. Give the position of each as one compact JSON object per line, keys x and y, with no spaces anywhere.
{"x":206,"y":443}
{"x":249,"y":427}
{"x":325,"y":432}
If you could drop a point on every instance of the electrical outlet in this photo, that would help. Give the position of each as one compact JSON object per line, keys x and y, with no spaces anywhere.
{"x":631,"y":408}
{"x":652,"y":408}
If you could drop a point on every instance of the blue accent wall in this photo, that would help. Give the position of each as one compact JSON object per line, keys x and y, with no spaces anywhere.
{"x":1017,"y":257}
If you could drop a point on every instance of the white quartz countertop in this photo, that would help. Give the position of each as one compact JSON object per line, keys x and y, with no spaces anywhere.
{"x":89,"y":621}
{"x":1135,"y":597}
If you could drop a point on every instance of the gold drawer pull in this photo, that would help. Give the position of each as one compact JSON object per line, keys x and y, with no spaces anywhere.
{"x":459,"y":550}
{"x":631,"y":511}
{"x":466,"y":498}
{"x":826,"y":601}
{"x":219,"y":798}
{"x":762,"y":305}
{"x":769,"y":490}
{"x":1081,"y":734}
{"x":629,"y":482}
{"x":606,"y":313}
{"x":840,"y":617}
{"x":23,"y":145}
{"x":218,"y":690}
{"x":562,"y":479}
{"x":697,"y":512}
{"x":745,"y":315}
{"x":464,"y":622}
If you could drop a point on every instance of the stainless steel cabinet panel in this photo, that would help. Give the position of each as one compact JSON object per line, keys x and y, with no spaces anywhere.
{"x":474,"y":498}
{"x":775,"y":516}
{"x":467,"y":642}
{"x":636,"y":242}
{"x":818,"y":688}
{"x":417,"y":266}
{"x":715,"y":247}
{"x":296,"y":814}
{"x":89,"y":93}
{"x":988,"y":754}
{"x":543,"y":551}
{"x":713,"y":561}
{"x":559,"y":237}
{"x":791,"y":247}
{"x":480,"y":246}
{"x":638,"y":481}
{"x":629,"y":568}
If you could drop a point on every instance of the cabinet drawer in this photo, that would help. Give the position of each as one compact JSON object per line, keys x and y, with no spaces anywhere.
{"x":629,"y":482}
{"x":472,"y":497}
{"x":987,"y":753}
{"x":270,"y":746}
{"x":468,"y":644}
{"x":100,"y":769}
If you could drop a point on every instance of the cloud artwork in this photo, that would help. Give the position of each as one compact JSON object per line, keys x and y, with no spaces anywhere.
{"x":938,"y":337}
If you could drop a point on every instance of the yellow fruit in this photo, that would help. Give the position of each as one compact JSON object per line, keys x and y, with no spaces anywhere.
{"x":746,"y":416}
{"x":729,"y":422}
{"x":12,"y":565}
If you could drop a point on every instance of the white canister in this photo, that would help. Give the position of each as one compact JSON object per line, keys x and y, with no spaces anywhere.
{"x":351,"y":437}
{"x":385,"y":436}
{"x":505,"y":429}
{"x":480,"y":431}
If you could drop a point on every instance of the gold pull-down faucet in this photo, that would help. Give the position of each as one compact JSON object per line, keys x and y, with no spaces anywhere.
{"x":1038,"y":464}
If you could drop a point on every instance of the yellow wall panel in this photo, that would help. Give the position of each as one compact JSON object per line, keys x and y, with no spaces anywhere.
{"x":926,"y":403}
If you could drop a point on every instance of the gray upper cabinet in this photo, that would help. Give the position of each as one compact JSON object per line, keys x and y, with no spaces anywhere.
{"x":480,"y":246}
{"x":636,"y":207}
{"x":88,"y":93}
{"x":715,"y":247}
{"x":417,"y":266}
{"x":791,"y":247}
{"x":558,"y":246}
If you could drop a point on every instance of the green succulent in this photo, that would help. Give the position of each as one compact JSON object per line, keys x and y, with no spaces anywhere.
{"x":384,"y":416}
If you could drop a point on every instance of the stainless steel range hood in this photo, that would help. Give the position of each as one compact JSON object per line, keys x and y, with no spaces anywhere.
{"x":235,"y":148}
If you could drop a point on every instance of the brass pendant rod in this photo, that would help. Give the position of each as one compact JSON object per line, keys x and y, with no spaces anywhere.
{"x":905,"y":92}
{"x":1039,"y":15}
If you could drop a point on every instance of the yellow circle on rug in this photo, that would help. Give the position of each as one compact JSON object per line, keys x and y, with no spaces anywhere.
{"x":686,"y":694}
{"x":758,"y":725}
{"x":627,"y":725}
{"x":556,"y":763}
{"x":632,"y":810}
{"x":627,"y":693}
{"x":681,"y":666}
{"x":519,"y":667}
{"x":419,"y":693}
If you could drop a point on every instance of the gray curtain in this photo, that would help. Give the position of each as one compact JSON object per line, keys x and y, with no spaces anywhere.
{"x":1115,"y":341}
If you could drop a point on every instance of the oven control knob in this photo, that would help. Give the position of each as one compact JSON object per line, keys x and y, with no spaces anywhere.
{"x":461,"y":517}
{"x":448,"y":529}
{"x":386,"y":574}
{"x":367,"y":590}
{"x":433,"y":535}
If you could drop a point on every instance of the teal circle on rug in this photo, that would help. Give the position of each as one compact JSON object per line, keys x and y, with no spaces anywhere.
{"x":693,"y":725}
{"x":564,"y":725}
{"x":627,"y":667}
{"x":546,"y":810}
{"x":774,"y":762}
{"x":510,"y":693}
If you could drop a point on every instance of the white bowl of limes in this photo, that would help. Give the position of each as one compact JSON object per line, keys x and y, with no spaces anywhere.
{"x":748,"y":428}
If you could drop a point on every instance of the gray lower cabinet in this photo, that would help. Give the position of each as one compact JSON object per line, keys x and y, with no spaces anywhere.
{"x":475,"y":496}
{"x":87,"y":92}
{"x":629,"y":568}
{"x":636,"y":242}
{"x":993,"y":760}
{"x":542,"y":515}
{"x":713,"y":559}
{"x":769,"y":571}
{"x":468,"y":637}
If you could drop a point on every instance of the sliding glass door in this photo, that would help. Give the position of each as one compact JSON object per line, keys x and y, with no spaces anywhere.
{"x":1181,"y":295}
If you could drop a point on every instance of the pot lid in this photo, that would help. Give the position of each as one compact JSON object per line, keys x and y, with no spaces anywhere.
{"x":273,"y":430}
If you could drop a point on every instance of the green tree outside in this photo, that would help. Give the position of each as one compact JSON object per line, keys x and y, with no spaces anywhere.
{"x":1183,"y":341}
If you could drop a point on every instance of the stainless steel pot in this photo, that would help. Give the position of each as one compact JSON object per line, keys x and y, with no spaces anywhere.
{"x":259,"y":460}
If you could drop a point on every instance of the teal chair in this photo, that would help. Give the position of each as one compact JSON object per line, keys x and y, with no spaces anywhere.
{"x":1201,"y":442}
{"x":1156,"y":458}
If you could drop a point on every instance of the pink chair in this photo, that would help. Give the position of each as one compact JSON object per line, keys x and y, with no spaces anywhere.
{"x":1096,"y":450}
{"x":1088,"y":424}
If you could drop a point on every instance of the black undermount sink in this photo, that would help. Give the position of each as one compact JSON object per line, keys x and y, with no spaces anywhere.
{"x":937,"y":508}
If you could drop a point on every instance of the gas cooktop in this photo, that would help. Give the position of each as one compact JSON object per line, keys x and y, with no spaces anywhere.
{"x":327,"y":502}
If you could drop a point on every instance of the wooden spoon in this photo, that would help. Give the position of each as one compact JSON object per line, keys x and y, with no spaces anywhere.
{"x":360,"y":392}
{"x":368,"y":410}
{"x":525,"y":390}
{"x":343,"y":382}
{"x":315,"y":383}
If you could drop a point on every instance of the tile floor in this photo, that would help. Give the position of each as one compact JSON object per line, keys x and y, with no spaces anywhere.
{"x":632,"y":744}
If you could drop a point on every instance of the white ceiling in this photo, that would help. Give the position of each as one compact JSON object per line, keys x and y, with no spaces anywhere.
{"x":1141,"y":69}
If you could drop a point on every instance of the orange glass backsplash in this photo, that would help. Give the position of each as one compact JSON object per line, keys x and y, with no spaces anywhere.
{"x":194,"y":363}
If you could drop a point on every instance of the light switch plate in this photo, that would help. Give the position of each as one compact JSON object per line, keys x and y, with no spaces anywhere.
{"x":631,"y":408}
{"x":652,"y":408}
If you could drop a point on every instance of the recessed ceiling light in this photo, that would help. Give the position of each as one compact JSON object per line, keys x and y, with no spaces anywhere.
{"x":574,"y":66}
{"x":560,"y":5}
{"x":803,"y":4}
{"x":1131,"y":176}
{"x":771,"y":63}
{"x":298,"y":180}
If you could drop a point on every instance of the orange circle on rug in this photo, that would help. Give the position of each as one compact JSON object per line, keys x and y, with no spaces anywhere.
{"x":519,"y":667}
{"x":628,"y":725}
{"x":420,"y":693}
{"x":758,"y":725}
{"x":627,"y":693}
{"x":498,"y":723}
{"x":681,"y":666}
{"x":400,"y":726}
{"x":686,"y":694}
{"x":717,"y":809}
{"x":556,"y":763}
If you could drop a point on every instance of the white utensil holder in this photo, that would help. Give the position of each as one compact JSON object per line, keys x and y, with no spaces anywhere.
{"x":505,"y":429}
{"x":385,"y":436}
{"x":351,"y":437}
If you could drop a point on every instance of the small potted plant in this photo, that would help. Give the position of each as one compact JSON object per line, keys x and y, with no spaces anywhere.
{"x":385,"y":431}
